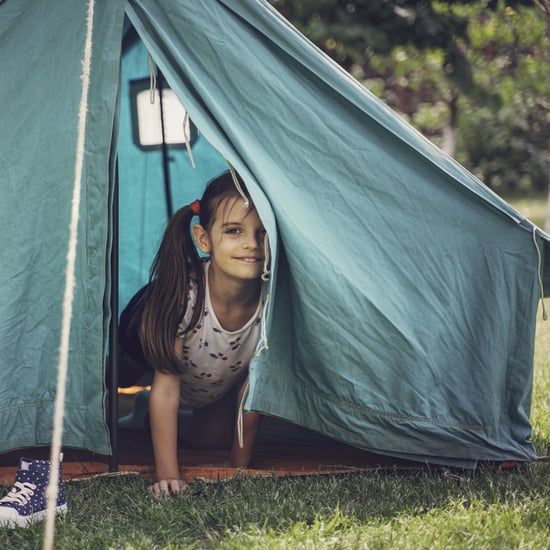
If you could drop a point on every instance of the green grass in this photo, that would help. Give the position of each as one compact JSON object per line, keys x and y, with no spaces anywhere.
{"x":375,"y":510}
{"x":421,"y":510}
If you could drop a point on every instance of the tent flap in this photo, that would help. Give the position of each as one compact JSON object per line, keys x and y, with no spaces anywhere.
{"x":403,"y":320}
{"x":42,"y":51}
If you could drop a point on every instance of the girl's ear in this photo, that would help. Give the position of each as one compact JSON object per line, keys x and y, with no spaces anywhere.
{"x":201,"y":238}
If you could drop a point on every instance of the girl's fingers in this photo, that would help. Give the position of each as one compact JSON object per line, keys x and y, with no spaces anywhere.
{"x":168,"y":487}
{"x":177,"y":485}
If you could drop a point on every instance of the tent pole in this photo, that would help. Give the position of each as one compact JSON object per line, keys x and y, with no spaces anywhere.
{"x":113,"y":333}
{"x":165,"y":157}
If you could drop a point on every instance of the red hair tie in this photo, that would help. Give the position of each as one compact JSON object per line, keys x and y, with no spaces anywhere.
{"x":196,"y":207}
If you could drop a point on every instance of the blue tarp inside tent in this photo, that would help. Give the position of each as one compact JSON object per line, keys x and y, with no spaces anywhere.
{"x":404,"y":292}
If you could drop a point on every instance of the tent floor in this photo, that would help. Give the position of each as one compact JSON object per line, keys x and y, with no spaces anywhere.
{"x":282,"y":449}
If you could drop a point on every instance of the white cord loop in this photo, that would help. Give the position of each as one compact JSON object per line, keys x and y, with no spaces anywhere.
{"x":240,"y":413}
{"x":267,"y":259}
{"x":187,"y":137}
{"x":246,"y":203}
{"x":262,"y":342}
{"x":152,"y":79}
{"x":539,"y":274}
{"x":152,"y":96}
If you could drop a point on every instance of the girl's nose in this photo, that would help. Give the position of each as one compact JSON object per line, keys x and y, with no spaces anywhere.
{"x":250,"y":241}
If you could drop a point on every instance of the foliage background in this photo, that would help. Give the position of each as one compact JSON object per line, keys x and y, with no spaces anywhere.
{"x":473,"y":76}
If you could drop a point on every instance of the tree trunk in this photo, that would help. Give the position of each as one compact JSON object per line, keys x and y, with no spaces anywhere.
{"x":449,"y":139}
{"x":449,"y":131}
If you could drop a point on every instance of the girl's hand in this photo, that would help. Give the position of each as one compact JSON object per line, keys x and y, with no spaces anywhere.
{"x":168,"y":487}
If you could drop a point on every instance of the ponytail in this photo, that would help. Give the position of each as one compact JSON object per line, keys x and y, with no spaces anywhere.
{"x":167,"y":295}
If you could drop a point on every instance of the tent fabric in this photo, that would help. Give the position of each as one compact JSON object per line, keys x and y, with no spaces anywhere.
{"x":403,"y":293}
{"x":42,"y":47}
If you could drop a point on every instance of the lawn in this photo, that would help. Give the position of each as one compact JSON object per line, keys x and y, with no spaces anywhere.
{"x":532,"y":208}
{"x":425,"y":509}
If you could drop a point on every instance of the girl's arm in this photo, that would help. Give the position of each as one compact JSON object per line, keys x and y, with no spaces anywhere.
{"x":163,"y":409}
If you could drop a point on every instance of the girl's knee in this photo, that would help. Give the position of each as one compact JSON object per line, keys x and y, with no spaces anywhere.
{"x":210,"y":439}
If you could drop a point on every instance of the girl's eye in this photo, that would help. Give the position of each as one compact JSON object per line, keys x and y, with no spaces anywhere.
{"x":232,"y":231}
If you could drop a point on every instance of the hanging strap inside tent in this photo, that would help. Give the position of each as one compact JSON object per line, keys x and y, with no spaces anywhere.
{"x":266,"y":273}
{"x":70,"y":284}
{"x":539,"y":274}
{"x":240,"y":420}
{"x":238,"y":185}
{"x":262,"y":342}
{"x":262,"y":345}
{"x":186,"y":120}
{"x":152,"y":79}
{"x":187,"y":136}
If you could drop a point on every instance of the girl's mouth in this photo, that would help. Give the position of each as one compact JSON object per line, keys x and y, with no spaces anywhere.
{"x":249,"y":259}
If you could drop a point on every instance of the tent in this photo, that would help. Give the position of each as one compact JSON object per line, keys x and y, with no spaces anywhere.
{"x":403,"y":294}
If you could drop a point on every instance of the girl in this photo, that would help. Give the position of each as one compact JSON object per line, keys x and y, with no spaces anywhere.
{"x":200,"y":326}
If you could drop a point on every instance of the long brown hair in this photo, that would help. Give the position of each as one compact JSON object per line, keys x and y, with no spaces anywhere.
{"x":176,"y":263}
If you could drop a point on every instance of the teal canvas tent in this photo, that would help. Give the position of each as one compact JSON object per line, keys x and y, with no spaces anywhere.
{"x":403,"y":295}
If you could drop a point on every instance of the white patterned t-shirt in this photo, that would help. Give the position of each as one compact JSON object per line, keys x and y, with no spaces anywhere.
{"x":214,"y":359}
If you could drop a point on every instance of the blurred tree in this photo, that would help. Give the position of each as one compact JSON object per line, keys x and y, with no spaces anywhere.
{"x":443,"y":64}
{"x":544,"y":6}
{"x":404,"y":51}
{"x":351,"y":31}
{"x":505,"y":142}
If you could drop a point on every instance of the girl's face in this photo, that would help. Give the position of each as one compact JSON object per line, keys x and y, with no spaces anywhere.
{"x":234,"y":241}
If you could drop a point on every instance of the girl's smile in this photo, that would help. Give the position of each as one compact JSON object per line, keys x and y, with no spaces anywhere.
{"x":234,"y":241}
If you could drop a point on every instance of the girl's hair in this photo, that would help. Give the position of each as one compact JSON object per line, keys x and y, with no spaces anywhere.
{"x":176,"y":263}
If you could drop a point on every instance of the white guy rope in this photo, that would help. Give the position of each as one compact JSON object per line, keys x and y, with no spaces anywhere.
{"x":539,"y":273}
{"x":52,"y":489}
